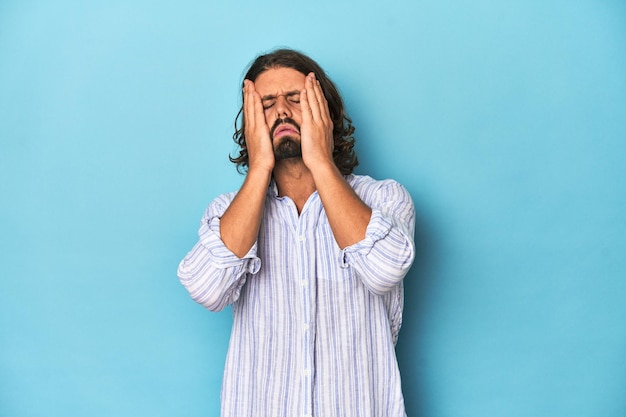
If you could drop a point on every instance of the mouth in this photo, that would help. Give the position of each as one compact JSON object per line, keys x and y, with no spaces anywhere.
{"x":286,"y":129}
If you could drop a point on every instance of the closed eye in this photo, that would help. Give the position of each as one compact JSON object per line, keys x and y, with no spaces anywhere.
{"x":294,"y":97}
{"x":291,"y":96}
{"x":268,"y":103}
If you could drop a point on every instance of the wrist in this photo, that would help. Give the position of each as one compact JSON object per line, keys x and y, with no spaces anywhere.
{"x":324,"y":170}
{"x":261,"y":168}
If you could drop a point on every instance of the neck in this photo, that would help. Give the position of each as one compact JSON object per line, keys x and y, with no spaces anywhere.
{"x":294,"y":180}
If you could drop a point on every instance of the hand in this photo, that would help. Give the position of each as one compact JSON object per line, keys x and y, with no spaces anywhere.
{"x":316,"y":131}
{"x":258,"y":141}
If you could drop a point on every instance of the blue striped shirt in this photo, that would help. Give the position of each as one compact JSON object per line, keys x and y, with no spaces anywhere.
{"x":314,"y":326}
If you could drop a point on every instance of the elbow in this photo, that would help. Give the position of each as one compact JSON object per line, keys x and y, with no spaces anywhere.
{"x":200,"y":289}
{"x":385,"y":271}
{"x":214,"y":304}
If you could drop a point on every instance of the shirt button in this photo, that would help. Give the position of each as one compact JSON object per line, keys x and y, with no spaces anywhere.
{"x":303,"y":282}
{"x":301,"y":238}
{"x":307,"y":372}
{"x":306,"y":326}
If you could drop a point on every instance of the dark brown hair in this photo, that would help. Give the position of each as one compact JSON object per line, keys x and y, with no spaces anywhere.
{"x":344,"y":155}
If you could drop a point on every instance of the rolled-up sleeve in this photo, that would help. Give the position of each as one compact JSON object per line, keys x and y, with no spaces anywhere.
{"x":212,"y":274}
{"x":384,"y":256}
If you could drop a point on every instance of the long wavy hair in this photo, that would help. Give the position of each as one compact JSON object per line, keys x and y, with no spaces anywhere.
{"x":344,"y":154}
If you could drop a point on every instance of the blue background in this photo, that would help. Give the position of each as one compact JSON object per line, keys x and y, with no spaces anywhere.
{"x":504,"y":119}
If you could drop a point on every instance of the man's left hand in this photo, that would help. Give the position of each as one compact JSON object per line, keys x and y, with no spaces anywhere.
{"x":316,"y":131}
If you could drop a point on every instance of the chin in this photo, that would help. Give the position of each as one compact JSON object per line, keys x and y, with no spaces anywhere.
{"x":287,"y":148}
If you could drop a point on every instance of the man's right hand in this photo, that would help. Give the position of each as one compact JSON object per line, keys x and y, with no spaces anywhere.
{"x":257,"y":133}
{"x":239,"y":225}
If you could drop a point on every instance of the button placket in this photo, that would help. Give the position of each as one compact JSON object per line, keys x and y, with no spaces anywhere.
{"x":304,"y":260}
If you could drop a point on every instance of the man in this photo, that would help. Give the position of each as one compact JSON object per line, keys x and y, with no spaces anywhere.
{"x":310,"y":257}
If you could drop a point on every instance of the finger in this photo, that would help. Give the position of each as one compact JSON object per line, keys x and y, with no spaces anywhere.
{"x":254,"y":106}
{"x":259,"y":112}
{"x":321,"y":98}
{"x":305,"y":106}
{"x":312,"y":97}
{"x":322,"y":103}
{"x":322,"y":116}
{"x":248,"y":100}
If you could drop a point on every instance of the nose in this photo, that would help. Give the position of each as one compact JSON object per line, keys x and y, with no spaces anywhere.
{"x":283,"y":108}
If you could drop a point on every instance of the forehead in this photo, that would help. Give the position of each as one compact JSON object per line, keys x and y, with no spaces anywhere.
{"x":275,"y":81}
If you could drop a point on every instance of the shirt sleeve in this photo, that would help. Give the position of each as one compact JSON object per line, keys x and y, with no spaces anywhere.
{"x":384,"y":256}
{"x":212,"y":274}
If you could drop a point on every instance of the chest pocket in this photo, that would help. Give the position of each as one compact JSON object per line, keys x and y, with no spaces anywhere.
{"x":328,"y":260}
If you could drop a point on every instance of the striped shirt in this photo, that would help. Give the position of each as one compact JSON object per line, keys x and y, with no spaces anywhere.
{"x":314,"y":326}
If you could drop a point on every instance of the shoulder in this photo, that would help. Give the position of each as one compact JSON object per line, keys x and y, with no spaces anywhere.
{"x":370,"y":189}
{"x":387,"y":196}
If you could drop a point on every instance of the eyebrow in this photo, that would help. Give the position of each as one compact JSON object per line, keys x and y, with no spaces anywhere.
{"x":275,"y":96}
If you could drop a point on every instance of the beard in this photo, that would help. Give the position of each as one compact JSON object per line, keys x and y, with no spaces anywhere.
{"x":288,"y":147}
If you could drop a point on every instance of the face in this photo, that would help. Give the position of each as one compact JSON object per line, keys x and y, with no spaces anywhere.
{"x":280,"y":95}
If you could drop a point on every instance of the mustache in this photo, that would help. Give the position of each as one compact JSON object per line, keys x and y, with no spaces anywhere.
{"x":285,"y":120}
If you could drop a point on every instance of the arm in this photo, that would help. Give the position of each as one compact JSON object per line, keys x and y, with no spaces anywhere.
{"x":217,"y":267}
{"x":212,"y":273}
{"x":374,"y":232}
{"x":347,"y":214}
{"x":241,"y":221}
{"x":385,"y":255}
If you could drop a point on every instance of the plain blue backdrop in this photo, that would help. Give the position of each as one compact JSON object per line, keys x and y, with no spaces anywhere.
{"x":504,"y":119}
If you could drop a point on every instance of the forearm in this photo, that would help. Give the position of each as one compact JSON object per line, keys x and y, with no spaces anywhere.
{"x":347,"y":214}
{"x":386,"y":253}
{"x":239,"y":225}
{"x":212,"y":273}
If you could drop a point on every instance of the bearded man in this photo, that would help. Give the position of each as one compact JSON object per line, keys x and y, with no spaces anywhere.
{"x":310,"y":256}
